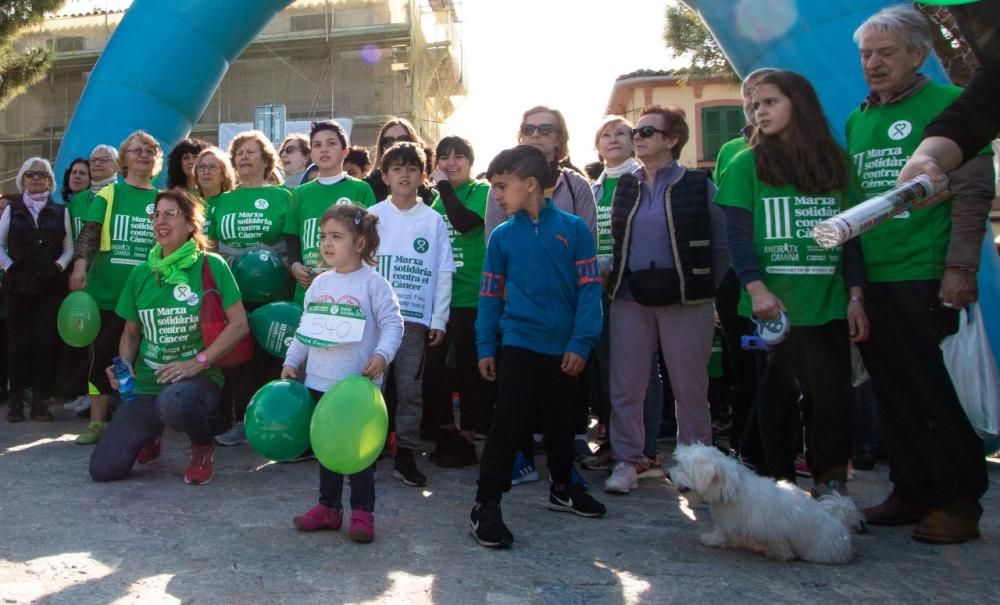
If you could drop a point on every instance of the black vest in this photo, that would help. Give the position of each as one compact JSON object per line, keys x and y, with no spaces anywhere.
{"x":34,"y":248}
{"x":686,"y":206}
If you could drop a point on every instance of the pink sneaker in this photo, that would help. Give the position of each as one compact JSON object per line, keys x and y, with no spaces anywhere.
{"x":362,"y":526}
{"x":320,"y":517}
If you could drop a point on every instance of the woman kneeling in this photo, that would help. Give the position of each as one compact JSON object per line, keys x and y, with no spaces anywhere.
{"x":175,"y":383}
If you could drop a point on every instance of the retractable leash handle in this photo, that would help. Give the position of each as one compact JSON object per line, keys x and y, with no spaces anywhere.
{"x":770,"y":333}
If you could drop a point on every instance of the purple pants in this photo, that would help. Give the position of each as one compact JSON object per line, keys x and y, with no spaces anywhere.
{"x":684,"y":333}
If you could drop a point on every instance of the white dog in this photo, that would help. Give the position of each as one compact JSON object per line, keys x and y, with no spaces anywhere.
{"x":752,"y":512}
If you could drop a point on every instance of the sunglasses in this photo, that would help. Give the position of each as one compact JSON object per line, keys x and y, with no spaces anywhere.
{"x":542,"y":129}
{"x":648,"y":131}
{"x":164,"y":214}
{"x":36,"y":174}
{"x":292,"y":149}
{"x":388,"y":141}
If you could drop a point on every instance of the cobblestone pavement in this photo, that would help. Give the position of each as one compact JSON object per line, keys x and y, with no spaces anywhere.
{"x":151,"y":538}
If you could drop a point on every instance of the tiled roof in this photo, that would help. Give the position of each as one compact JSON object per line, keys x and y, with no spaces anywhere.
{"x":79,"y":8}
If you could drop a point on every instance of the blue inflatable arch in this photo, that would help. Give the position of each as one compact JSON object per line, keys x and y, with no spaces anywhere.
{"x":160,"y":70}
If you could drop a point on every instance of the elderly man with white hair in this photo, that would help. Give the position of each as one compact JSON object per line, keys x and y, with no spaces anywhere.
{"x":920,"y":269}
{"x":35,"y":248}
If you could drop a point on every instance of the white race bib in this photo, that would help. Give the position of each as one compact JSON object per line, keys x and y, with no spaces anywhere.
{"x":330,"y":324}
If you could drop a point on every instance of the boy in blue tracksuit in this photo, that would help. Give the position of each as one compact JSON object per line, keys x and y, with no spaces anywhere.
{"x":541,"y":292}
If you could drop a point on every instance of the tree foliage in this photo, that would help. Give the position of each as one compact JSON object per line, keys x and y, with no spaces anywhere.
{"x":685,"y":34}
{"x":20,"y":68}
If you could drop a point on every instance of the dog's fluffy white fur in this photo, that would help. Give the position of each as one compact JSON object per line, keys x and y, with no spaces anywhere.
{"x":755,"y":513}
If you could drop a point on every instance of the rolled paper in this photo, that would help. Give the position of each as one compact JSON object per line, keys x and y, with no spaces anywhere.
{"x":838,"y":229}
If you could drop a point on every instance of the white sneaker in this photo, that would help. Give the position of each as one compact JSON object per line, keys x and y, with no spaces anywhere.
{"x":79,"y":404}
{"x":622,"y":480}
{"x":236,"y":435}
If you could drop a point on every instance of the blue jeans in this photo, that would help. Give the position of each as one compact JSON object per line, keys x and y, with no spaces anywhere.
{"x":185,"y":406}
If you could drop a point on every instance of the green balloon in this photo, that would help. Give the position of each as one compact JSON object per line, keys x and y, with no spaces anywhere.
{"x":261,"y":275}
{"x":79,"y":319}
{"x":349,"y":426}
{"x":277,"y":419}
{"x":274,"y":325}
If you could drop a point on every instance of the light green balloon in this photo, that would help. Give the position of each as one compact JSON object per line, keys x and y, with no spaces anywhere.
{"x":349,"y":426}
{"x":79,"y":319}
{"x":277,"y":419}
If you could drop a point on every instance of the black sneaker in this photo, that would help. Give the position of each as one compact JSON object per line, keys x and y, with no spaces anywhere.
{"x":573,"y":499}
{"x":487,"y":527}
{"x":406,"y":469}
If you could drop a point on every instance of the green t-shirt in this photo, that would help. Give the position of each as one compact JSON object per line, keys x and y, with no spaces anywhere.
{"x":131,"y":238}
{"x":468,"y":249}
{"x":727,"y":152}
{"x":804,"y":275}
{"x":170,"y":317}
{"x":209,"y":207}
{"x":604,"y":216}
{"x":913,"y":244}
{"x":245,"y":217}
{"x":77,"y":208}
{"x":309,"y":202}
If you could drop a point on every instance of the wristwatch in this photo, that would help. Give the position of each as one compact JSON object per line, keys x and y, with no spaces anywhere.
{"x":857,"y":298}
{"x":202,"y":359}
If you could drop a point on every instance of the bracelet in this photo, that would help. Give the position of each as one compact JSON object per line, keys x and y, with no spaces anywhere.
{"x":961,"y":268}
{"x":859,"y":299}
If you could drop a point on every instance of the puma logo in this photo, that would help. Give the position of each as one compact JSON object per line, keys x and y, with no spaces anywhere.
{"x":563,"y":239}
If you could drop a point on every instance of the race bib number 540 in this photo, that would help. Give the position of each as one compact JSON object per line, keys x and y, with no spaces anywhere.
{"x":330,"y":324}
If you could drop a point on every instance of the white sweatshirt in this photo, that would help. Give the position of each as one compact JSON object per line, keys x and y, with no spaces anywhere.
{"x":367,"y":290}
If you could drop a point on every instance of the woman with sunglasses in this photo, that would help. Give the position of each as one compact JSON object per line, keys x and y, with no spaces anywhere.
{"x":75,"y":179}
{"x":117,"y":235}
{"x":249,"y":218}
{"x":793,"y":176}
{"x":394,"y":131}
{"x":668,"y":254}
{"x":294,"y":155}
{"x":162,"y":345}
{"x":544,"y":128}
{"x":36,"y":245}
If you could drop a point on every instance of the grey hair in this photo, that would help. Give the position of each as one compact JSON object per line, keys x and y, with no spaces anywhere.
{"x":756,"y":74}
{"x":903,"y":20}
{"x":111,"y":151}
{"x":26,"y":166}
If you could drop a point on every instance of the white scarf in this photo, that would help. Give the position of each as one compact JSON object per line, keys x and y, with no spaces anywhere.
{"x":35,"y":202}
{"x":96,"y":186}
{"x":628,"y":166}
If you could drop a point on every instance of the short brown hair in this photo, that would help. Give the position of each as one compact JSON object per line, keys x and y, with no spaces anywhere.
{"x":266,"y":149}
{"x":673,"y":122}
{"x":192,"y":210}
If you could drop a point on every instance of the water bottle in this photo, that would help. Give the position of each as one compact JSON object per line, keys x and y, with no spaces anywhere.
{"x":126,"y":384}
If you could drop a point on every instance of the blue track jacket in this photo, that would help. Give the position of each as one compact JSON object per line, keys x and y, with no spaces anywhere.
{"x":540,"y":286}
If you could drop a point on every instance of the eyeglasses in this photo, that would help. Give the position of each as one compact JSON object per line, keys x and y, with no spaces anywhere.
{"x":208,"y":168}
{"x":292,"y":149}
{"x":167,"y":215}
{"x":543,"y":130}
{"x":143,"y":151}
{"x":36,"y":174}
{"x":100,"y":160}
{"x":648,"y":131}
{"x":388,"y":141}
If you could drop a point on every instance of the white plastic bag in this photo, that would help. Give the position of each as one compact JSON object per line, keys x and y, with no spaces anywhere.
{"x":973,"y":370}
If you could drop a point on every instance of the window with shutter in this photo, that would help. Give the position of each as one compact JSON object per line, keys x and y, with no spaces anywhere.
{"x":719,"y":125}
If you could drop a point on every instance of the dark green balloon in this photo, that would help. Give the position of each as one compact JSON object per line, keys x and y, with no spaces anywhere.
{"x":349,"y":426}
{"x":274,"y":325}
{"x":261,"y":275}
{"x":277,"y":420}
{"x":79,"y":319}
